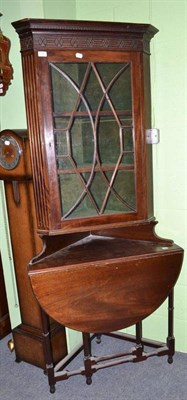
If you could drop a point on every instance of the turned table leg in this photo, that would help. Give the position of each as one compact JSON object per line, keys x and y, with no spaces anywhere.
{"x":139,"y":344}
{"x":171,"y":338}
{"x":87,"y":355}
{"x":47,"y":351}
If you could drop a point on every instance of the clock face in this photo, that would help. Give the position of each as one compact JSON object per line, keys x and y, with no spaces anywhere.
{"x":10,"y":152}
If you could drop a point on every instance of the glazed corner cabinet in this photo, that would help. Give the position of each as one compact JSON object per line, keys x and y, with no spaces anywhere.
{"x":88,"y":106}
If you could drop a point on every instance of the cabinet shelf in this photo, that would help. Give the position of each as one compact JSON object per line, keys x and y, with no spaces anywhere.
{"x":127,"y":113}
{"x":88,"y":168}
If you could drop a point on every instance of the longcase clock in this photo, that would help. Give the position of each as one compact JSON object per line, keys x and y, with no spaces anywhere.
{"x":15,"y":171}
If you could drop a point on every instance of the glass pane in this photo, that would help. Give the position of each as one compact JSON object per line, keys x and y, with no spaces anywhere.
{"x":117,"y":83}
{"x":93,"y":92}
{"x":120,"y":92}
{"x":98,"y":189}
{"x":94,"y":139}
{"x":76,"y":71}
{"x":70,"y":189}
{"x":62,"y":90}
{"x":82,"y":141}
{"x":61,"y":123}
{"x":108,"y":140}
{"x":107,"y":71}
{"x":66,"y":164}
{"x":128,"y":139}
{"x":61,"y":145}
{"x":125,"y":186}
{"x":84,"y":209}
{"x":75,"y":201}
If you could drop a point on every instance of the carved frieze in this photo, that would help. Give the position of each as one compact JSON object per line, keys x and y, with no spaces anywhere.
{"x":44,"y":41}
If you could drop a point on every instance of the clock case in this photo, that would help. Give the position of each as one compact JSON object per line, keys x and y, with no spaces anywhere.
{"x":28,"y":336}
{"x":67,"y":276}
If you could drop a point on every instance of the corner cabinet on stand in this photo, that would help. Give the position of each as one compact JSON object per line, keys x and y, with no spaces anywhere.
{"x":103,"y":268}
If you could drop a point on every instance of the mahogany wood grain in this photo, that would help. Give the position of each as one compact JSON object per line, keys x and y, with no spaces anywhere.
{"x":104,"y":284}
{"x":97,"y":42}
{"x":105,"y":272}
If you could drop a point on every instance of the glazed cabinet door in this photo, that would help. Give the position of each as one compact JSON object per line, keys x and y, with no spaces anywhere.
{"x":92,"y":118}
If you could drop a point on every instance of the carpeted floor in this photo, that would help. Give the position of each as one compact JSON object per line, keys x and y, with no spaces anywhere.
{"x":149,"y":380}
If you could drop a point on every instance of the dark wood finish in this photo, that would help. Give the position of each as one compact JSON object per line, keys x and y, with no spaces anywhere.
{"x":28,"y":338}
{"x":105,"y":284}
{"x":92,"y":364}
{"x":102,"y":267}
{"x":5,"y":327}
{"x":52,"y":34}
{"x":99,"y":42}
